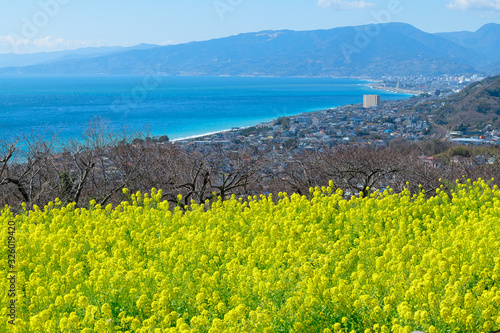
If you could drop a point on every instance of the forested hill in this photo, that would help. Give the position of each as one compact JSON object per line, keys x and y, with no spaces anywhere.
{"x":474,"y":108}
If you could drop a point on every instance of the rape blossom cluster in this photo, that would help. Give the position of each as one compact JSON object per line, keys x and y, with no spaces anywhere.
{"x":385,"y":263}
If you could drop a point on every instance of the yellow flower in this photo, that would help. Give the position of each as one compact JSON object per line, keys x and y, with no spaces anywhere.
{"x":391,"y":262}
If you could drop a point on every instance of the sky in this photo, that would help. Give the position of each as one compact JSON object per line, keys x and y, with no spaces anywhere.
{"x":51,"y":25}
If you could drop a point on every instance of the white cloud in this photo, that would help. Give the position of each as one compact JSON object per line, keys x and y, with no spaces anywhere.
{"x":343,"y":4}
{"x":10,"y":44}
{"x":168,"y":42}
{"x":474,"y":4}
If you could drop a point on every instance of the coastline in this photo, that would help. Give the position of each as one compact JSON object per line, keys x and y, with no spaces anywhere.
{"x":372,"y":84}
{"x":117,"y":109}
{"x":397,"y":90}
{"x":260,"y":124}
{"x":325,"y":127}
{"x":196,"y":136}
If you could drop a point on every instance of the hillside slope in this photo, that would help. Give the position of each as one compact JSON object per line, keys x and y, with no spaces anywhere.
{"x":473,"y":108}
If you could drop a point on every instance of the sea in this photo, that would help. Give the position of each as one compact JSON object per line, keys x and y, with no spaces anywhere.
{"x":179,"y":107}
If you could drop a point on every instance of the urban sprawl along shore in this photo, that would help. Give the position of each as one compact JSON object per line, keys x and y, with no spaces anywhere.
{"x":376,"y":125}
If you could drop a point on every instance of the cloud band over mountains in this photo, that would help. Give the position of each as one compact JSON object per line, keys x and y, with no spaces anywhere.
{"x":341,"y":4}
{"x":18,"y":44}
{"x":475,"y":4}
{"x":454,"y":4}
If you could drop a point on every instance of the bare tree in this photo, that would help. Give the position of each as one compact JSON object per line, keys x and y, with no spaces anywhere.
{"x":25,"y":171}
{"x":361,"y":168}
{"x":233,"y":172}
{"x":302,"y":171}
{"x":6,"y":176}
{"x":89,"y":168}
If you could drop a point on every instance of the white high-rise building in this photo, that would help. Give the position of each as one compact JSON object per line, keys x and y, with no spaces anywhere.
{"x":371,"y":101}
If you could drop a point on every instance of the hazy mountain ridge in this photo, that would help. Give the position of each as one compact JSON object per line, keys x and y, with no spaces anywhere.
{"x":30,"y":59}
{"x":485,"y":40}
{"x":394,"y":49}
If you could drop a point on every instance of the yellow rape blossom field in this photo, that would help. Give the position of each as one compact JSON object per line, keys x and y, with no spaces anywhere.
{"x":386,"y":263}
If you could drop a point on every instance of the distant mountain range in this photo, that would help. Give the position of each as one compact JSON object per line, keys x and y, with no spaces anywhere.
{"x":369,"y":51}
{"x":486,"y":40}
{"x":21,"y":60}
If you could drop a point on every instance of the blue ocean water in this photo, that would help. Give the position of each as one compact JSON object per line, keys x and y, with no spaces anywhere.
{"x":176,"y":106}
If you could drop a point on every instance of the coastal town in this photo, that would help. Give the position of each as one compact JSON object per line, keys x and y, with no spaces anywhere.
{"x":346,"y":124}
{"x":445,"y":84}
{"x":374,"y":124}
